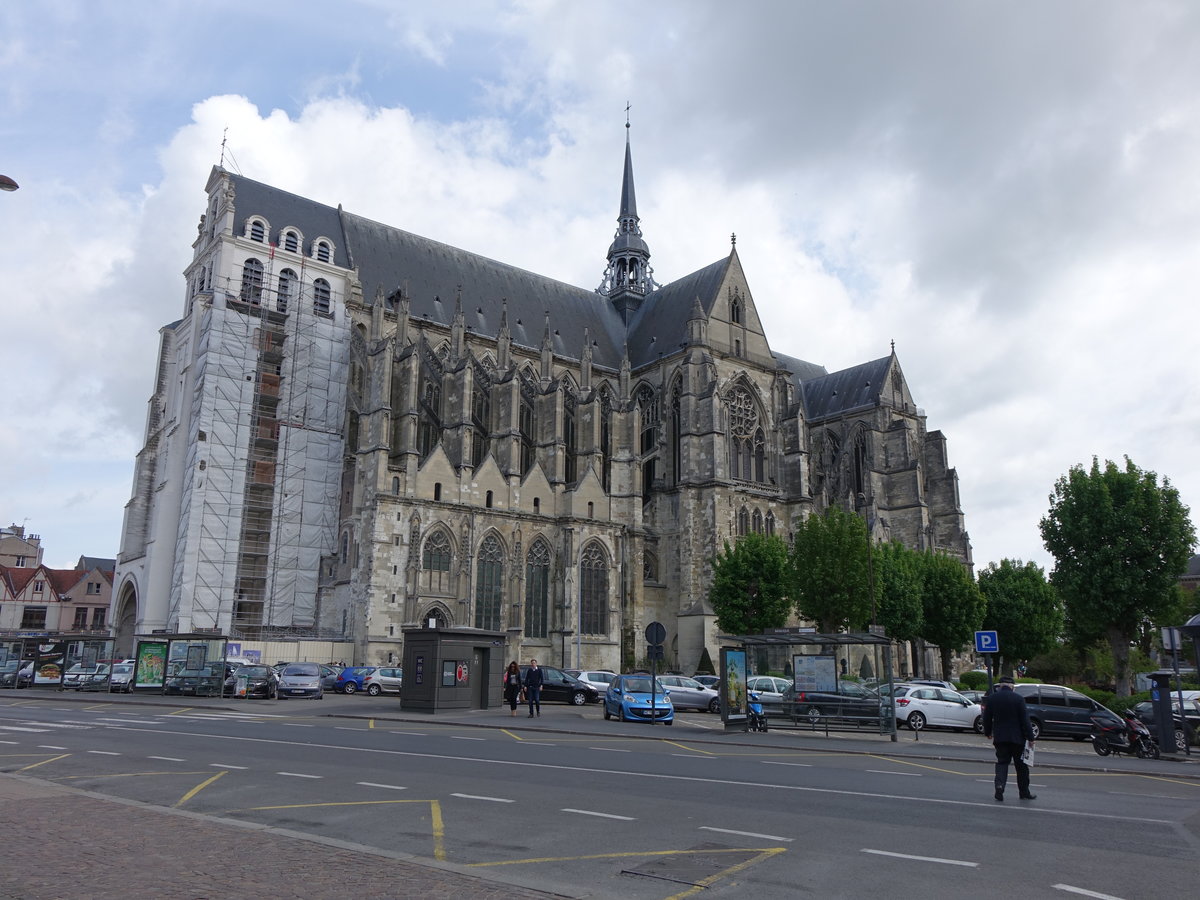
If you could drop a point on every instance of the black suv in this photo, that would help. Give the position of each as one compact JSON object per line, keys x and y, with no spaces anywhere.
{"x":558,"y":685}
{"x":1056,"y":711}
{"x":848,"y":702}
{"x":1191,"y":712}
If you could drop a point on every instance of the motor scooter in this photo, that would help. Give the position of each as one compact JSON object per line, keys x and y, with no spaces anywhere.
{"x":1130,"y":736}
{"x":755,"y":717}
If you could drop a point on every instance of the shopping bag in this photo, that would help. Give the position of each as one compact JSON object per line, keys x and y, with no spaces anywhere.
{"x":1027,"y":754}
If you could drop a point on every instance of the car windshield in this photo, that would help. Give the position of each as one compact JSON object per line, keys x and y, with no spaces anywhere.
{"x":122,"y":669}
{"x":253,"y":671}
{"x":640,"y":686}
{"x":301,"y":669}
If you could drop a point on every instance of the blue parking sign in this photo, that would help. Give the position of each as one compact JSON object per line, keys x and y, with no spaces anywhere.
{"x":987,"y":642}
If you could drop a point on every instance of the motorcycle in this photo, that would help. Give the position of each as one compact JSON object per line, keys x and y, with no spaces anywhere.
{"x":1130,"y":736}
{"x":755,"y":717}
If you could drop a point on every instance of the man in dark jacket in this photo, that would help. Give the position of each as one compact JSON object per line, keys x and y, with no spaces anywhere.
{"x":1006,"y":722}
{"x":533,"y":687}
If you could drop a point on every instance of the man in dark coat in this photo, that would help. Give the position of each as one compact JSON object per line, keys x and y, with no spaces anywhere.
{"x":1006,"y":722}
{"x":533,"y":680}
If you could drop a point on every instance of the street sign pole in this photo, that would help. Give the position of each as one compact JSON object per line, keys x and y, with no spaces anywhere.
{"x":988,"y":643}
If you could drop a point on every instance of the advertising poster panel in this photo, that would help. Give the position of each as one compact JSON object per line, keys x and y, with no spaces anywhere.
{"x":50,"y":663}
{"x":815,"y":673}
{"x":733,"y":686}
{"x":151,"y":667}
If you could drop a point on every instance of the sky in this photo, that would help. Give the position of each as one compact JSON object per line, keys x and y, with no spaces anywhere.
{"x":1009,"y":192}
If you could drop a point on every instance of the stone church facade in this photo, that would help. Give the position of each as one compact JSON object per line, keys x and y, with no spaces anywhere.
{"x":356,"y":429}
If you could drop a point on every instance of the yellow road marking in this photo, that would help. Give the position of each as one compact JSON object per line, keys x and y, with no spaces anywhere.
{"x":99,"y":706}
{"x":44,"y":761}
{"x":732,"y":870}
{"x":515,"y":737}
{"x":1168,"y":780}
{"x":691,"y":749}
{"x":623,"y":855}
{"x":916,"y":765}
{"x":370,"y":723}
{"x":201,"y":786}
{"x":439,"y":830}
{"x":126,"y":775}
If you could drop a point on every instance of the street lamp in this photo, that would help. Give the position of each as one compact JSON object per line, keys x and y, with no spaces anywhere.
{"x":7,"y":184}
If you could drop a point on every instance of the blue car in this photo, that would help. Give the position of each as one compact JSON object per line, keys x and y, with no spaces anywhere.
{"x":629,"y":699}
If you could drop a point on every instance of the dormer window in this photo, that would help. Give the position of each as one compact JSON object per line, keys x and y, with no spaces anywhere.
{"x":324,"y":253}
{"x":258,"y":231}
{"x":291,"y":241}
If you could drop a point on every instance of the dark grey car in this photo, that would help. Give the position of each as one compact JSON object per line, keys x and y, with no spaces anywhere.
{"x":688,"y":693}
{"x":1056,"y":711}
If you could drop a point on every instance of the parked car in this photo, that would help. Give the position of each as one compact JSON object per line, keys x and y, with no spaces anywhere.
{"x":1056,"y":711}
{"x":207,"y":681}
{"x":558,"y":685}
{"x":688,"y":693}
{"x":948,"y":685}
{"x":261,"y":681}
{"x":301,"y":680}
{"x":383,"y":680}
{"x":79,"y":675}
{"x":600,"y":679}
{"x":974,"y":696}
{"x":16,"y":673}
{"x":631,"y":699}
{"x":770,"y":692}
{"x":352,"y":679}
{"x":1190,"y":712}
{"x":712,"y":681}
{"x":919,"y":705}
{"x":849,"y":701}
{"x":121,"y":680}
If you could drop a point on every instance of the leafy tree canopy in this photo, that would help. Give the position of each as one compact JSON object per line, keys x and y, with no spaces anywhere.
{"x":833,"y":585}
{"x":1120,"y":541}
{"x":1022,"y":608}
{"x":898,"y":576}
{"x":953,"y":607}
{"x":751,"y":585}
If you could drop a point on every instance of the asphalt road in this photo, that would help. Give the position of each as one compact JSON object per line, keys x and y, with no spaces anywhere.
{"x":602,"y":811}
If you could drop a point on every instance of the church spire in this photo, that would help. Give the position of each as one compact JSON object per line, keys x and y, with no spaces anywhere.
{"x":628,"y":277}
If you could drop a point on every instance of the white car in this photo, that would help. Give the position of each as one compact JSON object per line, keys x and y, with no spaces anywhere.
{"x":921,"y":705}
{"x":770,"y":692}
{"x":600,"y":679}
{"x":688,"y":693}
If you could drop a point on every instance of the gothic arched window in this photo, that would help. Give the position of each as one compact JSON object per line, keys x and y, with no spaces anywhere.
{"x":649,"y":566}
{"x":674,"y":435}
{"x":481,"y":418}
{"x":735,"y":310}
{"x":252,"y":281}
{"x":435,"y":562}
{"x":605,"y":440}
{"x":287,"y":289}
{"x":537,"y":590}
{"x":489,"y":584}
{"x":593,"y":590}
{"x":743,"y":522}
{"x":527,"y":425}
{"x":757,"y":522}
{"x":429,"y":426}
{"x":770,"y":523}
{"x":747,"y":440}
{"x":570,"y":440}
{"x":647,"y":402}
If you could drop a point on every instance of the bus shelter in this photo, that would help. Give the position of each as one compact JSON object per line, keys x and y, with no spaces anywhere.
{"x":184,"y":664}
{"x":56,"y":660}
{"x":812,"y":681}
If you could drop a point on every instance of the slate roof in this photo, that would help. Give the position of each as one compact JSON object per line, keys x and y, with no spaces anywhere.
{"x":839,"y":392}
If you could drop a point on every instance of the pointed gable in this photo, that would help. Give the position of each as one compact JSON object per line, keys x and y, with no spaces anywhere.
{"x":660,"y":326}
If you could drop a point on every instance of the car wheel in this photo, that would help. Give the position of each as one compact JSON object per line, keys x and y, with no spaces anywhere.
{"x":579,"y":698}
{"x":715,"y":705}
{"x":978,"y":725}
{"x":813,"y":714}
{"x":607,"y":714}
{"x":916,"y":720}
{"x":1100,"y":745}
{"x":1181,"y":740}
{"x":374,"y":690}
{"x":349,"y":687}
{"x":1037,"y":728}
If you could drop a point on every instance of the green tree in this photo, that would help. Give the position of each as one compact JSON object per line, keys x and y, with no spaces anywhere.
{"x":1022,"y":608}
{"x":898,"y":577}
{"x":952,"y":605}
{"x":751,"y":585}
{"x":833,"y":583}
{"x":1120,"y":542}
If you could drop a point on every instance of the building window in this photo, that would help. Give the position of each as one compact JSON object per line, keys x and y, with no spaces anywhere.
{"x":591,"y":510}
{"x":99,"y":614}
{"x":429,"y":429}
{"x":436,"y":562}
{"x":605,"y":441}
{"x":593,"y":590}
{"x":396,"y":485}
{"x":649,"y":566}
{"x":747,"y":453}
{"x":488,"y":500}
{"x":323,"y":251}
{"x":648,"y":416}
{"x":537,"y":505}
{"x":33,"y":618}
{"x":258,"y":231}
{"x":735,"y":310}
{"x":537,"y":590}
{"x":39,"y":587}
{"x":437,"y":490}
{"x":80,"y":619}
{"x":570,"y":446}
{"x":481,"y":419}
{"x":737,"y":348}
{"x":527,"y":426}
{"x":287,"y":289}
{"x":770,"y":524}
{"x":21,"y":561}
{"x":345,"y":554}
{"x":291,"y":241}
{"x":252,"y":281}
{"x":489,"y":584}
{"x":674,"y":434}
{"x":321,"y":296}
{"x":757,"y":522}
{"x":743,"y":522}
{"x":93,"y":587}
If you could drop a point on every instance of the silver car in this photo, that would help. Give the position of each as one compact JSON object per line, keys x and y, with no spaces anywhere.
{"x":385,"y":679}
{"x":688,"y":693}
{"x":301,"y":680}
{"x":600,"y":679}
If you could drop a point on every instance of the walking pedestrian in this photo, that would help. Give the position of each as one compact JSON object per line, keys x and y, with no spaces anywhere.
{"x":1006,"y":723}
{"x":512,"y":686}
{"x":533,"y":688}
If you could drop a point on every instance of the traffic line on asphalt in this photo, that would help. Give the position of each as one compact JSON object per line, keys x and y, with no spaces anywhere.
{"x":768,"y":762}
{"x":390,"y":787}
{"x":610,"y":749}
{"x":478,"y":797}
{"x":588,"y":812}
{"x":167,"y":758}
{"x":763,"y":854}
{"x":1083,"y":892}
{"x":43,"y":746}
{"x":410,"y":733}
{"x":459,"y":737}
{"x":685,"y":747}
{"x":930,"y":859}
{"x":14,"y":743}
{"x":753,"y":834}
{"x":539,"y":744}
{"x":298,"y":725}
{"x":104,"y":752}
{"x":197,"y":789}
{"x":44,"y":762}
{"x":20,"y":728}
{"x":226,"y":766}
{"x":692,"y":756}
{"x":298,"y":775}
{"x":888,"y":772}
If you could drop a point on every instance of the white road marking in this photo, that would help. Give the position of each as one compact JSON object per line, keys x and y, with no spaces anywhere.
{"x":104,"y":752}
{"x":1082,"y":892}
{"x":753,"y":834}
{"x":167,"y":758}
{"x":225,"y":766}
{"x":458,"y":737}
{"x":886,"y":772}
{"x":390,"y":787}
{"x":298,"y":775}
{"x":537,"y":744}
{"x":131,"y":722}
{"x":767,"y":762}
{"x":298,"y":725}
{"x":588,"y":812}
{"x":1153,"y":796}
{"x":610,"y":749}
{"x":14,"y":743}
{"x":19,"y":728}
{"x":41,"y":746}
{"x":412,"y":733}
{"x":692,"y":756}
{"x":932,"y":859}
{"x":697,"y":779}
{"x":477,"y":797}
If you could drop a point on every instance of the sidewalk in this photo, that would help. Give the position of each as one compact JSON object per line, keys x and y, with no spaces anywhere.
{"x":60,"y":842}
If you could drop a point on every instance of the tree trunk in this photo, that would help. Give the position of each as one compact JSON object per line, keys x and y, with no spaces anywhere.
{"x":946,"y":655}
{"x":1119,"y":641}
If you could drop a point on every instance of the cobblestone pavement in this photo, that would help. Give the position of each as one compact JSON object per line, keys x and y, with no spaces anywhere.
{"x":62,"y":843}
